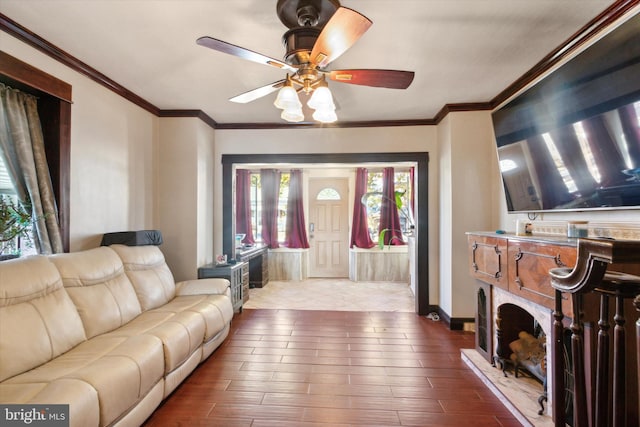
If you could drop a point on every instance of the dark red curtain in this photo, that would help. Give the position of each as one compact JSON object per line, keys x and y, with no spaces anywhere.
{"x":389,"y":217}
{"x":296,"y":231}
{"x":360,"y":237}
{"x":243,"y":205}
{"x":270,"y":191}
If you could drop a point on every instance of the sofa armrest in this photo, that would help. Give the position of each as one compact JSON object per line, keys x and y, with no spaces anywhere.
{"x":212,"y":286}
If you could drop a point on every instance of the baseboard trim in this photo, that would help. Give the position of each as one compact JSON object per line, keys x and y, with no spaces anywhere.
{"x":455,"y":323}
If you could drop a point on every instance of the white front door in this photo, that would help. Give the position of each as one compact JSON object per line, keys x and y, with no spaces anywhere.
{"x":328,"y":227}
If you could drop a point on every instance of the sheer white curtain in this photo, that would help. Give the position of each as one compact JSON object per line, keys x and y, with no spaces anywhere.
{"x":23,"y":151}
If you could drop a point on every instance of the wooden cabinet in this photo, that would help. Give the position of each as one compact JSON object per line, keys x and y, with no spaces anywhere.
{"x":258,"y":260}
{"x":488,"y":259}
{"x":238,"y":276}
{"x":528,"y":270}
{"x":511,"y":269}
{"x":520,"y":265}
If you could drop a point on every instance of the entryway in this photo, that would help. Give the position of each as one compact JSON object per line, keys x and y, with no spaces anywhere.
{"x":333,"y":295}
{"x":328,"y":227}
{"x":417,"y":159}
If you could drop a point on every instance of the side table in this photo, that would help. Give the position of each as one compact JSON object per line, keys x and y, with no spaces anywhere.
{"x":237,"y":274}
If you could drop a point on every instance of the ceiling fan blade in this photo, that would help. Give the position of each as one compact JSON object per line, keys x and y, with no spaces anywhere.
{"x":254,"y":94}
{"x":393,"y":79}
{"x":243,"y":53}
{"x":344,"y":28}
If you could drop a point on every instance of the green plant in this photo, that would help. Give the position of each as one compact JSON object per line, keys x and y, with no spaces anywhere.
{"x":406,"y":213}
{"x":381,"y":238}
{"x":15,"y":221}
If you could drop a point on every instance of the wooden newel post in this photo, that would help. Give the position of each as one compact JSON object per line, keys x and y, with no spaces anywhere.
{"x":609,"y":406}
{"x":636,"y":303}
{"x":557,"y":363}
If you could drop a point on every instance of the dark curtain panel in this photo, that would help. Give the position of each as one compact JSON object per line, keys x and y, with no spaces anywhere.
{"x":360,"y":237}
{"x":23,"y":150}
{"x":243,"y":205}
{"x":270,"y":182}
{"x":296,"y":232}
{"x":605,"y":152}
{"x":631,"y":129}
{"x":389,"y":217}
{"x":552,"y":190}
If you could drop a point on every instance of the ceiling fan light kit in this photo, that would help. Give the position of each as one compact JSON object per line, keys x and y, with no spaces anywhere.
{"x":287,"y":98}
{"x":319,"y":32}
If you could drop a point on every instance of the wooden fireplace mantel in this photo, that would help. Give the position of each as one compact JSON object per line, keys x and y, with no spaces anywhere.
{"x":520,"y":265}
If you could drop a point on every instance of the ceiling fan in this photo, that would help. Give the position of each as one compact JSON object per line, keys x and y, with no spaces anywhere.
{"x":319,"y":32}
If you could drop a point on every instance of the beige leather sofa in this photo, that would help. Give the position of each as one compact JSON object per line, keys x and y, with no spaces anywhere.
{"x":106,"y":330}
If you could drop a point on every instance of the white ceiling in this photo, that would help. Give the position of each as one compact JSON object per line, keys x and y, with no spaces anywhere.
{"x":461,"y":50}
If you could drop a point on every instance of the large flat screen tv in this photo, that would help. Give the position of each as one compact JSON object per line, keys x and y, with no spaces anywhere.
{"x":572,"y":141}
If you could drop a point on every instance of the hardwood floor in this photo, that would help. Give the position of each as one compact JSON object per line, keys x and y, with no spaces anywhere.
{"x":334,"y":368}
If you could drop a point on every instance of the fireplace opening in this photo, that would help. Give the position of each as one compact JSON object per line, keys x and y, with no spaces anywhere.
{"x":521,"y":346}
{"x":515,"y":327}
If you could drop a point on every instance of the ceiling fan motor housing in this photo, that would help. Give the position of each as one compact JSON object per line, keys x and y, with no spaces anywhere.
{"x":299,"y":42}
{"x":298,"y":13}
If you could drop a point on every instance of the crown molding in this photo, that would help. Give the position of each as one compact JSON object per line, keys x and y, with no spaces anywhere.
{"x":11,"y":27}
{"x":569,"y":46}
{"x":190,"y":113}
{"x":582,"y":36}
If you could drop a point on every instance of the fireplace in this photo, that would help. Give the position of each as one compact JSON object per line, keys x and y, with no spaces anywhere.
{"x":514,"y":294}
{"x":514,"y":297}
{"x":513,"y":316}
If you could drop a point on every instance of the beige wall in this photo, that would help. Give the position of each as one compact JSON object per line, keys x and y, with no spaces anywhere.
{"x":131,"y":170}
{"x":468,"y":167}
{"x":113,"y":155}
{"x":332,"y":140}
{"x":185,"y":197}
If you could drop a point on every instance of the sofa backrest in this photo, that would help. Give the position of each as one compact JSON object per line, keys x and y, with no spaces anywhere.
{"x":149,"y":273}
{"x":100,"y":289}
{"x":38,"y":320}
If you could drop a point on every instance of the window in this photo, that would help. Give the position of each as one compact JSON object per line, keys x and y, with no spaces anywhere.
{"x":256,"y":206}
{"x":328,"y":194}
{"x":11,"y":209}
{"x":54,"y":107}
{"x":402,"y":184}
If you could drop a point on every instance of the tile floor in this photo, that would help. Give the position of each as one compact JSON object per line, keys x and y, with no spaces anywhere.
{"x":312,"y":368}
{"x":333,"y":294}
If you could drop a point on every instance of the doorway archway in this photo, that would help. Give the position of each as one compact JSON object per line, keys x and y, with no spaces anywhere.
{"x":229,"y":161}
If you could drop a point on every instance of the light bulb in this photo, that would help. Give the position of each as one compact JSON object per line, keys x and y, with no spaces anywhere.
{"x":287,"y":99}
{"x":321,"y":99}
{"x":292,"y":115}
{"x":325,"y":115}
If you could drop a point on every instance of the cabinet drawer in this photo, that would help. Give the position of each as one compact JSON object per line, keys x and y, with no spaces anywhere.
{"x":529,"y":265}
{"x":488,"y":259}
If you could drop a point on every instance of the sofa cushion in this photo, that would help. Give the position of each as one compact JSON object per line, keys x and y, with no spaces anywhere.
{"x":148,"y":272}
{"x":38,"y":320}
{"x":181,"y":333}
{"x":122,"y":370}
{"x":216,"y":310}
{"x":82,"y":398}
{"x":100,"y":289}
